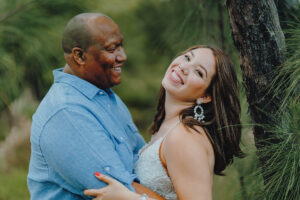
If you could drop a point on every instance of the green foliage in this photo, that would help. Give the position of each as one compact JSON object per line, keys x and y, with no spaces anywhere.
{"x":30,"y":44}
{"x":288,"y":11}
{"x":288,"y":78}
{"x":284,"y":170}
{"x":175,"y":25}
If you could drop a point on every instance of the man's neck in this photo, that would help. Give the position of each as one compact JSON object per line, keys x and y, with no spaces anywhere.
{"x":67,"y":69}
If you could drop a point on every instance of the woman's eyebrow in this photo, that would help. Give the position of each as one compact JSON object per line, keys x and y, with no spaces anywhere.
{"x":193,"y":55}
{"x":204,"y":70}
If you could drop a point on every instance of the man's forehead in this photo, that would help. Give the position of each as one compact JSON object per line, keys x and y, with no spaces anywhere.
{"x":108,"y":40}
{"x":103,"y":27}
{"x":115,"y":39}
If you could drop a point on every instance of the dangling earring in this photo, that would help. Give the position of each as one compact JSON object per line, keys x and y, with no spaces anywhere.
{"x":199,"y":116}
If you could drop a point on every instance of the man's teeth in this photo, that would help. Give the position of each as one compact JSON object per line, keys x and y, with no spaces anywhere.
{"x":117,"y":69}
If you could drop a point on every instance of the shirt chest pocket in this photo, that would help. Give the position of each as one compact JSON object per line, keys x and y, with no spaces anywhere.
{"x":125,"y":153}
{"x":131,"y":132}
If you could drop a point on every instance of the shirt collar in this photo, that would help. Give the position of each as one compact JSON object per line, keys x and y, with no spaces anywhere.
{"x":85,"y":87}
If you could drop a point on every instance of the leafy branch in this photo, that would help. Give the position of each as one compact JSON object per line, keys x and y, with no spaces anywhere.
{"x":16,"y":10}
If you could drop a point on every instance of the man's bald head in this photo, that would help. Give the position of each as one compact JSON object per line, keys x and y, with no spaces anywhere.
{"x":93,"y":47}
{"x":78,"y":32}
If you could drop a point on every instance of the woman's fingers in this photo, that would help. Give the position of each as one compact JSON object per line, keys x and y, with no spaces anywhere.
{"x":94,"y":192}
{"x":99,"y":192}
{"x":97,"y":198}
{"x":104,"y":178}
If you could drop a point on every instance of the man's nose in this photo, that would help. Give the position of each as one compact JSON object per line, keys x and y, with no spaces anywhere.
{"x":121,"y":57}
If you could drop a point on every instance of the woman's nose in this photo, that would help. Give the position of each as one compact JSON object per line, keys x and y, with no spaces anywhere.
{"x":183,"y":69}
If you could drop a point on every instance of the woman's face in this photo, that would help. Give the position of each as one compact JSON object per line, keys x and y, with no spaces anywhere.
{"x":190,"y":74}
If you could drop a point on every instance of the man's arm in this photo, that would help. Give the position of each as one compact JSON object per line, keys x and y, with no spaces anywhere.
{"x":75,"y":145}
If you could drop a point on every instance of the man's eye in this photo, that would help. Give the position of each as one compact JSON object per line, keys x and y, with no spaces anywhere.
{"x":199,"y":73}
{"x":110,"y":50}
{"x":187,"y":57}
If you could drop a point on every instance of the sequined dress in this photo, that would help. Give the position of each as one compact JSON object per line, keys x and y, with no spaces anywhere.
{"x":151,"y":171}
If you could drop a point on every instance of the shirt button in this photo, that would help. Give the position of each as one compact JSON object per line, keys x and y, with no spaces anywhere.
{"x":100,"y":93}
{"x":108,"y":105}
{"x":121,"y":138}
{"x":107,"y":169}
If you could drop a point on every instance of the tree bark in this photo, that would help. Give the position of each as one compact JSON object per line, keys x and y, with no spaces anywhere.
{"x":260,"y":41}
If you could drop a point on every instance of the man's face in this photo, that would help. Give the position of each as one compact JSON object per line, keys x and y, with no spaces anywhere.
{"x":105,"y":57}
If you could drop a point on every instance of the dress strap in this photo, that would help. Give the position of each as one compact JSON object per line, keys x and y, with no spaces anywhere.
{"x":160,"y":139}
{"x":164,"y":165}
{"x":171,"y":128}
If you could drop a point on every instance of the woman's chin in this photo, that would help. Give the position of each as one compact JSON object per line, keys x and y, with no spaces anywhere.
{"x":163,"y":83}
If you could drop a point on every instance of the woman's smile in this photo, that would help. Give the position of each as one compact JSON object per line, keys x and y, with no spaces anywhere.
{"x":175,"y":77}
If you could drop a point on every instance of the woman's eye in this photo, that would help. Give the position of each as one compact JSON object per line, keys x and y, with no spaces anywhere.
{"x":199,"y":73}
{"x":187,"y":57}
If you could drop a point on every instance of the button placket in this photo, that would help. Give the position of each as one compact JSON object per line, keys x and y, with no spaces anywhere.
{"x":107,"y":169}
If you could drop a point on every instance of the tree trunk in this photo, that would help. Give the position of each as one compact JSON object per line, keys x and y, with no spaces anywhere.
{"x":258,"y":37}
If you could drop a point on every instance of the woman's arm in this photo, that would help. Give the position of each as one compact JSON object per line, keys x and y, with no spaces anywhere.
{"x":140,"y":189}
{"x":189,"y":159}
{"x":116,"y":191}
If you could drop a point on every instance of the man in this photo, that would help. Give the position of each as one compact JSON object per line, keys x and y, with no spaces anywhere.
{"x":82,"y":126}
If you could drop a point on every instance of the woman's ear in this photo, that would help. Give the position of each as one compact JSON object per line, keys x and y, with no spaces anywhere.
{"x":205,"y":99}
{"x":78,"y":55}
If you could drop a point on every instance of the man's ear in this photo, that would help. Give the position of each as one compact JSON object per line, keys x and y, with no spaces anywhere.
{"x":78,"y":55}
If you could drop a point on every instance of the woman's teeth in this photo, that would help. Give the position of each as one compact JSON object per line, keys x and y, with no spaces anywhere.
{"x":175,"y":77}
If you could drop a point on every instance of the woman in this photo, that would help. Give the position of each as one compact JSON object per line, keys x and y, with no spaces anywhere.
{"x":196,"y":131}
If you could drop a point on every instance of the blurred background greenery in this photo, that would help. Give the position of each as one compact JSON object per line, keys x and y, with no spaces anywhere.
{"x":155,"y":31}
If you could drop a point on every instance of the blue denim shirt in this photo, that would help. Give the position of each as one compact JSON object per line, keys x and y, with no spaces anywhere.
{"x":77,"y":130}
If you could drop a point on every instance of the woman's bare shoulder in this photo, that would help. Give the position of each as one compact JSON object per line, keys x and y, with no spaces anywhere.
{"x":189,"y":157}
{"x":183,"y":135}
{"x":185,"y":143}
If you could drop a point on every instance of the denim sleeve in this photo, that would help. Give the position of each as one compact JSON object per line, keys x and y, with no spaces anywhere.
{"x":76,"y":146}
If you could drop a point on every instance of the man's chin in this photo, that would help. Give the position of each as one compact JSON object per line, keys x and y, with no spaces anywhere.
{"x":116,"y":82}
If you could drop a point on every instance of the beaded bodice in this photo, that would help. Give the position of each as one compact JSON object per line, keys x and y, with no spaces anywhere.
{"x":151,"y":171}
{"x":152,"y":174}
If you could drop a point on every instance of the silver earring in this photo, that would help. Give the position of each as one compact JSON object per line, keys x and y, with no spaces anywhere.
{"x":199,"y":116}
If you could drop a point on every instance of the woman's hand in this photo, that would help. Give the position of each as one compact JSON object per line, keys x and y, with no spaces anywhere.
{"x":114,"y":191}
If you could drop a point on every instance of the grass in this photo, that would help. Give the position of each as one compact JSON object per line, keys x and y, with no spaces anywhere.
{"x":13,"y":185}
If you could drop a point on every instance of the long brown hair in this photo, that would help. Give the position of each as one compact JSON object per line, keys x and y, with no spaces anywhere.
{"x":222,"y":115}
